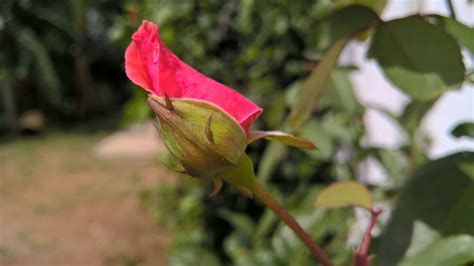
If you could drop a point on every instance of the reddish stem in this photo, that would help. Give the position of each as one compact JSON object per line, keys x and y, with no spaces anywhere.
{"x":280,"y":211}
{"x":361,"y":258}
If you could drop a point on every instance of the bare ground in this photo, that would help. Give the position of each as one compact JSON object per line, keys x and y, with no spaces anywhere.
{"x":61,"y":206}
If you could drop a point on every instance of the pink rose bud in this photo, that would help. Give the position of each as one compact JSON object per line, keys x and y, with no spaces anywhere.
{"x":151,"y":65}
{"x":202,"y":122}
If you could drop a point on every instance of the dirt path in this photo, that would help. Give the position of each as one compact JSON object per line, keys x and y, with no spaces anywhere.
{"x":61,"y":206}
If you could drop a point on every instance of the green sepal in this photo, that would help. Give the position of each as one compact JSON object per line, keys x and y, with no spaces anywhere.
{"x":185,"y":125}
{"x":242,"y":176}
{"x":171,"y":163}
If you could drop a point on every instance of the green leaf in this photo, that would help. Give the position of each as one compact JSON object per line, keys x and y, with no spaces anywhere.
{"x":314,"y":86}
{"x":343,"y":23}
{"x":344,"y":194}
{"x":422,"y":237}
{"x":464,"y":130}
{"x":460,"y":217}
{"x":462,"y":33}
{"x":281,"y":137}
{"x":418,"y":57}
{"x":455,"y":250}
{"x":441,"y":195}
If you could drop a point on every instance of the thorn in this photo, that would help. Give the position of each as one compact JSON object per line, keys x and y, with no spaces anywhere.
{"x":169,"y":105}
{"x":217,"y":186}
{"x":208,"y":130}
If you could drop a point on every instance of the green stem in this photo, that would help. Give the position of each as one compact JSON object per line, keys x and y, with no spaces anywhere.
{"x":267,"y":198}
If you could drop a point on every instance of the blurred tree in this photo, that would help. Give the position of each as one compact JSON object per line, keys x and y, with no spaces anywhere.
{"x":57,"y":58}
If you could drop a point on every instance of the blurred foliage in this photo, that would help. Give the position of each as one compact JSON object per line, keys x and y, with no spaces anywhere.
{"x":284,"y":62}
{"x":445,"y":207}
{"x":344,"y":194}
{"x":66,"y":58}
{"x":57,"y":57}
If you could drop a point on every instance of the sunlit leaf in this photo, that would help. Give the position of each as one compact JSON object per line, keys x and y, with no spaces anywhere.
{"x":344,"y":194}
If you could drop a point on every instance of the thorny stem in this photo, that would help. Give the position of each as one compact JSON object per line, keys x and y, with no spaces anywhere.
{"x":267,"y":198}
{"x":361,"y":258}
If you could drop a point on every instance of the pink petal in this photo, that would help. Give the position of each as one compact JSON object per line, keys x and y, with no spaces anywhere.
{"x":135,"y":69}
{"x":151,"y":65}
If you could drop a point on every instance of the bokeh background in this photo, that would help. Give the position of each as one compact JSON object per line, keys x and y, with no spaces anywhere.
{"x":81,"y":181}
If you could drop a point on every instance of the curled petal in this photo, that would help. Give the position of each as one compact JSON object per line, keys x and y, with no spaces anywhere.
{"x":135,"y":70}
